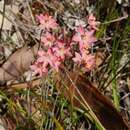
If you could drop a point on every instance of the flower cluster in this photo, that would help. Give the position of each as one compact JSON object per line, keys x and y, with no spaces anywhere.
{"x":55,"y":49}
{"x":84,"y":39}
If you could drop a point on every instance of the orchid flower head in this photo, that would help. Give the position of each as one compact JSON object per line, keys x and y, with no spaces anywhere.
{"x":57,"y":48}
{"x":48,"y":39}
{"x":46,"y":21}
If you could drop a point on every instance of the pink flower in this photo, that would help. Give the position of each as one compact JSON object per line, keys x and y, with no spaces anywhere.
{"x":42,"y":57}
{"x":47,"y":22}
{"x":92,"y":22}
{"x":77,"y":58}
{"x":61,"y":51}
{"x":48,"y":39}
{"x":48,"y":58}
{"x":45,"y":57}
{"x":87,"y":40}
{"x":56,"y":64}
{"x":39,"y":68}
{"x":89,"y":62}
{"x":84,"y":38}
{"x":79,"y":32}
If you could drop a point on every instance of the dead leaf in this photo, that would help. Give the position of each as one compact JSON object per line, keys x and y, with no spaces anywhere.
{"x":18,"y":63}
{"x":18,"y":86}
{"x":101,"y":105}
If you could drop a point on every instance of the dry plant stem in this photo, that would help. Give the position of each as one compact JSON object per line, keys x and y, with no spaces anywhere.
{"x":29,"y":8}
{"x":88,"y":107}
{"x":76,"y":97}
{"x":3,"y":13}
{"x":119,"y":71}
{"x":19,"y":24}
{"x":116,"y":20}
